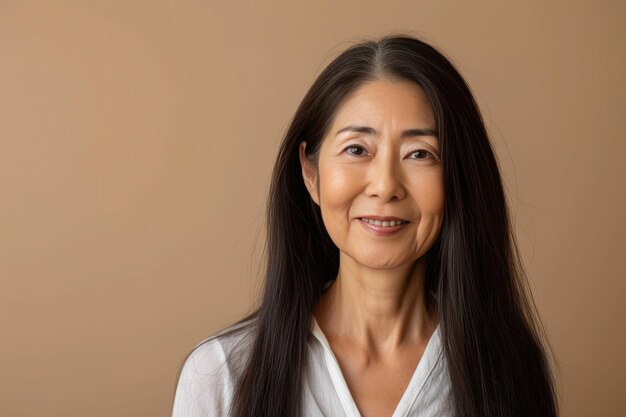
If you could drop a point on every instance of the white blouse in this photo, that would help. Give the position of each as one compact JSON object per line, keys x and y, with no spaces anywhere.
{"x":206,"y":382}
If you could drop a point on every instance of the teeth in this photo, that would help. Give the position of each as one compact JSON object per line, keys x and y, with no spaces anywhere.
{"x":384,"y":223}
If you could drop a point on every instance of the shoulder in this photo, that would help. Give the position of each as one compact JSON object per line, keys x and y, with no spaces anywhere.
{"x":207,"y":378}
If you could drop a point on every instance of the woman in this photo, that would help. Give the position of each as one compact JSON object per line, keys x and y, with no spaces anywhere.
{"x":393,"y":282}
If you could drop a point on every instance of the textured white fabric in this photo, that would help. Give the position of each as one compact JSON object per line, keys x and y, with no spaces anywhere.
{"x":205,"y":386}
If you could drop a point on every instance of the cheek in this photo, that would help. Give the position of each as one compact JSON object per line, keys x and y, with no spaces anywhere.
{"x":427,"y":189}
{"x":338,"y":185}
{"x":338,"y":188}
{"x":434,"y":201}
{"x":426,"y":196}
{"x":430,"y":198}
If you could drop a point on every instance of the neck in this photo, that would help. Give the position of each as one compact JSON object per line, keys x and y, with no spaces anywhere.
{"x":377,"y":309}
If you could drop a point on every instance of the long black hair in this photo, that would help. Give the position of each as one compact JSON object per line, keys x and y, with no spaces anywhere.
{"x":492,"y":336}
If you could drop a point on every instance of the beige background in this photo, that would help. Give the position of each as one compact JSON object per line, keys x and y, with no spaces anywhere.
{"x":137,"y":140}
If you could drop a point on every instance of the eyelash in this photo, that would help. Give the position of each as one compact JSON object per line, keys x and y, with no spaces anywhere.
{"x":430,"y":155}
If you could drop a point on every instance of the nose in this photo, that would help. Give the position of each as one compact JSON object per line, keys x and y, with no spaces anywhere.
{"x":385,"y":180}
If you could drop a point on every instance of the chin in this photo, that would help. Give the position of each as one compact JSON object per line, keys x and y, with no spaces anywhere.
{"x":375,"y":262}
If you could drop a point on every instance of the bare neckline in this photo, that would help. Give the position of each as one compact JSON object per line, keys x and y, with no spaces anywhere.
{"x":422,"y":372}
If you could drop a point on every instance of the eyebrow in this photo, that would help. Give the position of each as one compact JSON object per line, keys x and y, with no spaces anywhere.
{"x":371,"y":131}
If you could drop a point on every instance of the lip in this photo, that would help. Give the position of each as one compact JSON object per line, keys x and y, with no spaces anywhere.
{"x":381,"y":230}
{"x":381,"y":218}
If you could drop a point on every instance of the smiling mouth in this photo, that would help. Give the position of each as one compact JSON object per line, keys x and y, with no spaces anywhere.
{"x":383,"y":223}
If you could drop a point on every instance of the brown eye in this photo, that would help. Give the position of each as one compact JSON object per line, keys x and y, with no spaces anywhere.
{"x":422,"y":154}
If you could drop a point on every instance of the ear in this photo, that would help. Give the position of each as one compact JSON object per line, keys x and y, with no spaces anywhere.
{"x":309,"y":174}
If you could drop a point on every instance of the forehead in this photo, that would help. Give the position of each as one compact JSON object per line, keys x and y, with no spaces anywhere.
{"x":390,"y":103}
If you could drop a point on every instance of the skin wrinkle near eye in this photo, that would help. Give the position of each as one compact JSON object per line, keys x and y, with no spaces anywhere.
{"x":429,"y":154}
{"x":422,"y":140}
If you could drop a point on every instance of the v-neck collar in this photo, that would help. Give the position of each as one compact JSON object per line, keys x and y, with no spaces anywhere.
{"x":422,"y":372}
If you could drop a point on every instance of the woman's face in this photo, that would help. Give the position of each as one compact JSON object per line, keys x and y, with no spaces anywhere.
{"x":380,"y":161}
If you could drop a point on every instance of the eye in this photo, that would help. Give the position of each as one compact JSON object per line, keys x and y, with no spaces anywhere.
{"x":422,"y":154}
{"x":354,"y":150}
